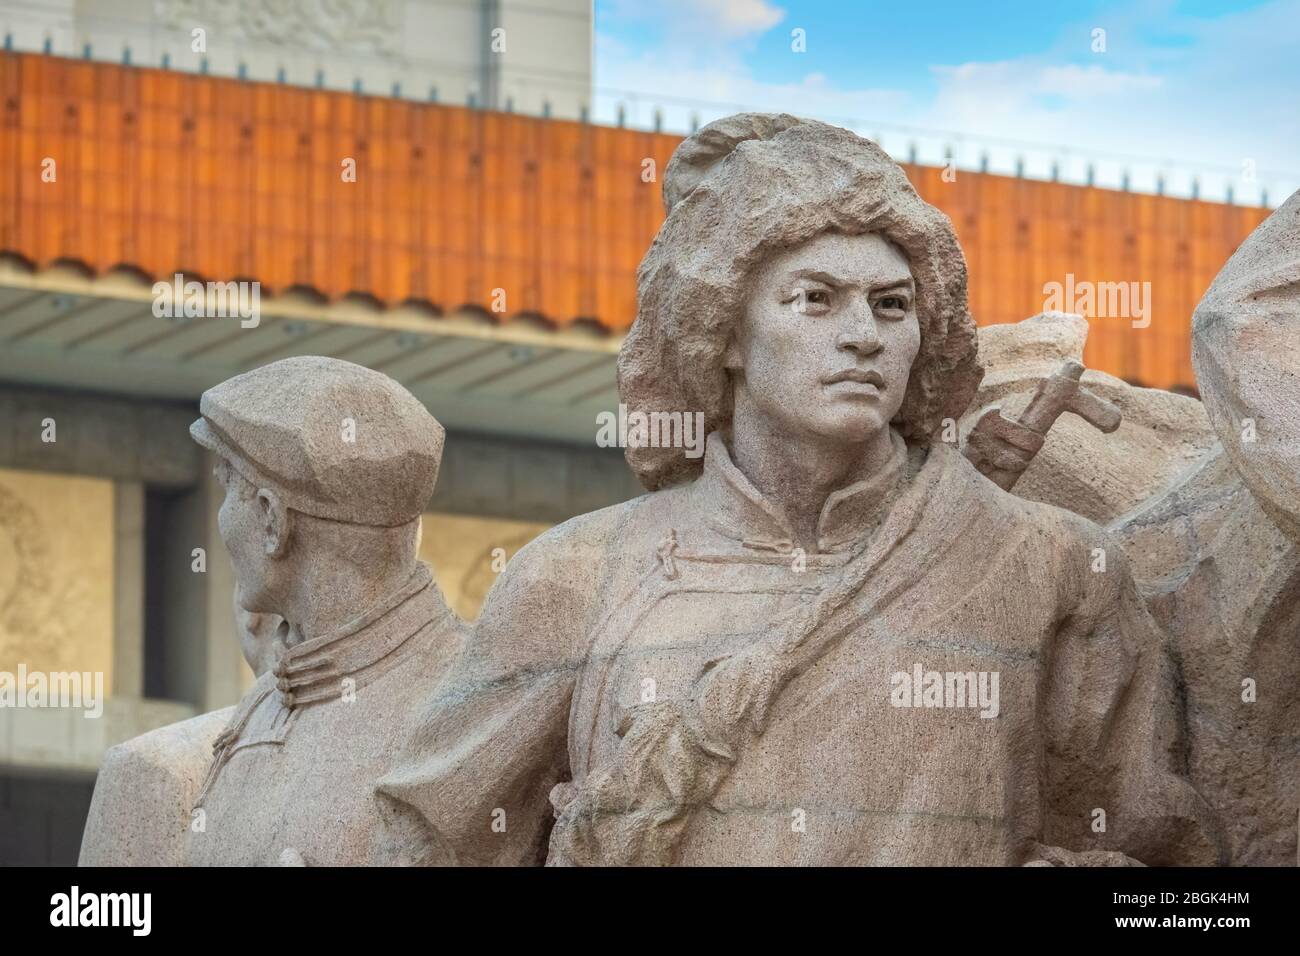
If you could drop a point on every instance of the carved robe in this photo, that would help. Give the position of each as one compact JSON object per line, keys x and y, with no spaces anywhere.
{"x":291,"y":777}
{"x":667,"y":681}
{"x":1218,"y":553}
{"x":1224,"y":581}
{"x":140,"y":812}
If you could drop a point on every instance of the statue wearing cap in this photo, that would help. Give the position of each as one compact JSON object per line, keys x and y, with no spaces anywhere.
{"x":326,"y":467}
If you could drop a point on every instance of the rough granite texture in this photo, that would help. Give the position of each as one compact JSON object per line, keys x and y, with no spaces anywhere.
{"x":708,"y":674}
{"x":284,"y":426}
{"x":1206,"y":498}
{"x":1100,"y":476}
{"x":764,"y":659}
{"x":326,"y":467}
{"x":140,"y":813}
{"x":1219,"y":553}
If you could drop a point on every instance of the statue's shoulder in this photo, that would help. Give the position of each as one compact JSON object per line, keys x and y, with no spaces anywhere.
{"x":173,"y":748}
{"x":593,"y":539}
{"x":143,"y":794}
{"x":1045,"y":533}
{"x":563,"y":578}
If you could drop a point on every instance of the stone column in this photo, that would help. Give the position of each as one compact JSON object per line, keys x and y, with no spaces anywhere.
{"x":127,"y":678}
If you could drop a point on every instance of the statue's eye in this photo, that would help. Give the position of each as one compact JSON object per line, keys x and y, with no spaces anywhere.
{"x":811,"y":301}
{"x":892,"y":303}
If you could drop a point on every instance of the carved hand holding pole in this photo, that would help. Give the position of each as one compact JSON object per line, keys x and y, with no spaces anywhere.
{"x":1001,"y":449}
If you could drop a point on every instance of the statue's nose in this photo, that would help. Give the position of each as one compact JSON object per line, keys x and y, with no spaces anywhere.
{"x":861,"y":338}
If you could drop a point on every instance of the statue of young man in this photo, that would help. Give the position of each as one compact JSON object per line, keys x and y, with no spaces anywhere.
{"x":831,"y":640}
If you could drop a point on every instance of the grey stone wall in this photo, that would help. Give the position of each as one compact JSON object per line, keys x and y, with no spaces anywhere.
{"x":147,"y":440}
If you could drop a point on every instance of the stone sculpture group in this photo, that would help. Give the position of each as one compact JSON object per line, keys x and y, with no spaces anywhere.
{"x":928,"y":597}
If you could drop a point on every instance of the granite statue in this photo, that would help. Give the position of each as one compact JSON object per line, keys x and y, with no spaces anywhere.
{"x":1218,"y":552}
{"x":904,"y":609}
{"x":1203,"y":495}
{"x":326,"y":468}
{"x":831,"y":640}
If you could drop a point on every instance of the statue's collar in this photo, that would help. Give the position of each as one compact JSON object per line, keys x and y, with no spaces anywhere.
{"x":733,"y":506}
{"x":314,"y":670}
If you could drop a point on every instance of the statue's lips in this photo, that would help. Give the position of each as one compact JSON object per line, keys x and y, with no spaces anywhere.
{"x":855,"y":381}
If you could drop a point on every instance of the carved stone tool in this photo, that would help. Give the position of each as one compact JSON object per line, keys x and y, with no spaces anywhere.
{"x":1001,"y":449}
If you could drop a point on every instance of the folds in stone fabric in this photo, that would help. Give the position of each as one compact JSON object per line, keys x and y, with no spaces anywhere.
{"x":769,"y":701}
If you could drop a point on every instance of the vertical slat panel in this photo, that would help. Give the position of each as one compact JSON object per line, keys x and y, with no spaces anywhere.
{"x":165,"y":171}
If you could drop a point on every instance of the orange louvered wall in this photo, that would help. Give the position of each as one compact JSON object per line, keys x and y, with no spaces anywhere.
{"x":217,"y":178}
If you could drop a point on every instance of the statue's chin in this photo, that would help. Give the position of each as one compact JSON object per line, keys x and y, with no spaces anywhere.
{"x":852,"y":430}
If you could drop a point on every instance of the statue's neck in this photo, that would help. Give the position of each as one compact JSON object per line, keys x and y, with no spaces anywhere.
{"x":324,"y":602}
{"x":797,"y":473}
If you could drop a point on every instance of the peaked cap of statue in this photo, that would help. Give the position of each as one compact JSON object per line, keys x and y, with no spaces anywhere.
{"x":335,"y":440}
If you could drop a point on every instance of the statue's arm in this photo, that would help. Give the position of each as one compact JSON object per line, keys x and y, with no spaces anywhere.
{"x":471,"y":785}
{"x":1114,"y":724}
{"x":140,"y":812}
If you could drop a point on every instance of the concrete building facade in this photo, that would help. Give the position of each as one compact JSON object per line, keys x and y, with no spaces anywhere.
{"x":533,"y":56}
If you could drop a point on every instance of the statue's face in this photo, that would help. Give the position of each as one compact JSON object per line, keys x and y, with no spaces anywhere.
{"x":257,"y":633}
{"x":828,"y":337}
{"x":1246,"y":352}
{"x":242,"y":526}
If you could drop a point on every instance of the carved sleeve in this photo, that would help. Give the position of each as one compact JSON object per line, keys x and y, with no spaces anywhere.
{"x":471,"y":785}
{"x":1115,"y":774}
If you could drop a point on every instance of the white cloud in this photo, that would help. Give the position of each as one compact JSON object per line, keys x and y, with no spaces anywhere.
{"x":1081,"y":82}
{"x":741,"y":17}
{"x":1191,"y":119}
{"x":709,"y":87}
{"x":1225,"y":95}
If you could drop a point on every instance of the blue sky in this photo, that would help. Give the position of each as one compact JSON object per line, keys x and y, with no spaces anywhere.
{"x":1199,"y":88}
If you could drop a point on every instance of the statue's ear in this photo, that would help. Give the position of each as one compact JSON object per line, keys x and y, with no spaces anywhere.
{"x":277,"y":523}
